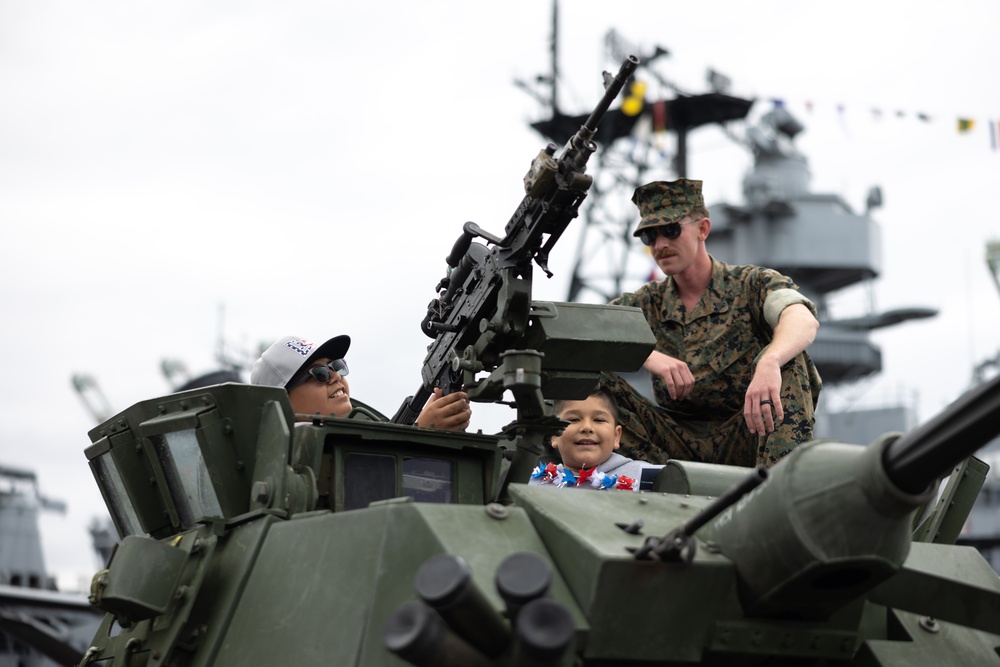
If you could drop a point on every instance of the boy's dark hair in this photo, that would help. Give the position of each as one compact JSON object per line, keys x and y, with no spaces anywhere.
{"x":599,"y":392}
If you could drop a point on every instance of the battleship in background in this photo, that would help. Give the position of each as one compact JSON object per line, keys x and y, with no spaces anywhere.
{"x":39,"y":626}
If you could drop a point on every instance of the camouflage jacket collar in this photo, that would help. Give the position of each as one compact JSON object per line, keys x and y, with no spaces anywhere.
{"x":715,"y":299}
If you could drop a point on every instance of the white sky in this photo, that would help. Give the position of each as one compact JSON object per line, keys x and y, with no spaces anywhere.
{"x":308,"y":165}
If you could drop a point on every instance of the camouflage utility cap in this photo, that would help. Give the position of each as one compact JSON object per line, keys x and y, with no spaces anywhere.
{"x":664,"y":202}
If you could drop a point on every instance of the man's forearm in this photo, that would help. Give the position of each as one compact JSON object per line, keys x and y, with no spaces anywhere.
{"x":796,"y":330}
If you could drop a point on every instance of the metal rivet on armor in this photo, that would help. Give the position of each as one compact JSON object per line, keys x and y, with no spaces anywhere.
{"x":497,"y":511}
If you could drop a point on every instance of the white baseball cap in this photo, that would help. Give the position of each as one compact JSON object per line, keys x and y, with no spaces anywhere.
{"x":287,"y":356}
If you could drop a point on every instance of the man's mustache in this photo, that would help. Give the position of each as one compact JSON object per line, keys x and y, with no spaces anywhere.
{"x":662,"y":253}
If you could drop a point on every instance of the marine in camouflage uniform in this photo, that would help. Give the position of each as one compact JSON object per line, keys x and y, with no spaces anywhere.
{"x":721,"y":337}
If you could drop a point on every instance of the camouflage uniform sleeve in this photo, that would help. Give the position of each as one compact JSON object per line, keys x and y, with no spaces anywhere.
{"x":626,"y":299}
{"x":779,"y":292}
{"x":778,"y":300}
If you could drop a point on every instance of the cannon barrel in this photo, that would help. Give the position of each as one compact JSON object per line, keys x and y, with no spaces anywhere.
{"x":918,"y":459}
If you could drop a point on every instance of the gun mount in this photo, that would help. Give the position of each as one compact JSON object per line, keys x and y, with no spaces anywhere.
{"x":490,"y":337}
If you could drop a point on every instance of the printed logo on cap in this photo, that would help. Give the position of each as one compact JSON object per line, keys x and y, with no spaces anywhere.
{"x":302,"y":347}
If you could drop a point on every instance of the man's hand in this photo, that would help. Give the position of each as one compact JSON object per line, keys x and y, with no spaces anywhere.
{"x":675,"y":374}
{"x":451,"y":412}
{"x":795,"y":330}
{"x":763,"y":396}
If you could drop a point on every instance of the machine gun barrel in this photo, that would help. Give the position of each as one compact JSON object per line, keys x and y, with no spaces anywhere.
{"x":580,"y":146}
{"x":916,"y":460}
{"x":613,"y":87}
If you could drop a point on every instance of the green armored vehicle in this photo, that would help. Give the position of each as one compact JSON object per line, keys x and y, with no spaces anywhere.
{"x":348,"y":542}
{"x":251,"y":538}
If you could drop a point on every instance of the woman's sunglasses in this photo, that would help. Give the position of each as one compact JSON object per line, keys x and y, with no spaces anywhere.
{"x":322,"y":374}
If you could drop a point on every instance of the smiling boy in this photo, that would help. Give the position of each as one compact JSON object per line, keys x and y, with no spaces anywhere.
{"x":587,"y":447}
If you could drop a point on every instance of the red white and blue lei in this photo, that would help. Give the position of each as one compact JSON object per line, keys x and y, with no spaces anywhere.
{"x":558,"y":475}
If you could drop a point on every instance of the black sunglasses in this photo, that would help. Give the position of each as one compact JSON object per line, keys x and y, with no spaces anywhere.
{"x":322,"y":374}
{"x":670,"y":231}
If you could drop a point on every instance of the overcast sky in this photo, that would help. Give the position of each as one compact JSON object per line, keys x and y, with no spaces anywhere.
{"x":306,"y":166}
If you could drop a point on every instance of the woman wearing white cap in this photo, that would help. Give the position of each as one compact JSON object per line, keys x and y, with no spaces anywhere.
{"x":315,"y":378}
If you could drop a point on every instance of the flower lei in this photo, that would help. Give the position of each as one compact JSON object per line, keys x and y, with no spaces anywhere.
{"x":558,"y":475}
